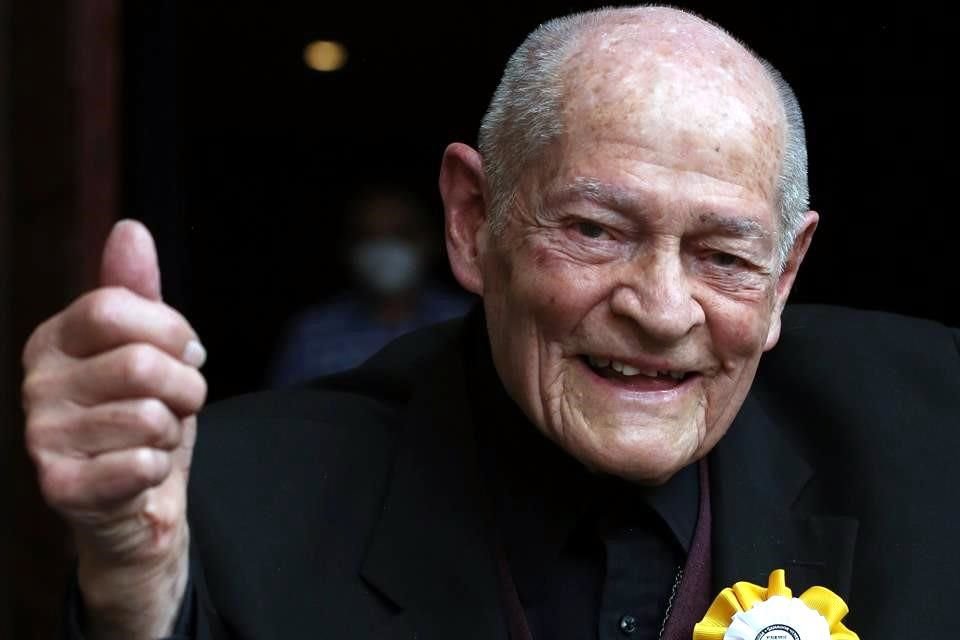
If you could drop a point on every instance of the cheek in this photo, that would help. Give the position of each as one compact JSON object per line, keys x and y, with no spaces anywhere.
{"x":738,"y":329}
{"x":558,"y":291}
{"x":741,"y":335}
{"x":737,"y":338}
{"x":737,"y":335}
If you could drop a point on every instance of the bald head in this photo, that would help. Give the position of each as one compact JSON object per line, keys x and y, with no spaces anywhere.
{"x":674,"y":76}
{"x":681,"y":84}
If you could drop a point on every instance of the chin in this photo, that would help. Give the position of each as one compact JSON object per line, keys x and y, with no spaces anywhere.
{"x":638,"y":454}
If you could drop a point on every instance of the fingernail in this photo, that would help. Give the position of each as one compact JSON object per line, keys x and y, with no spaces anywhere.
{"x":194,"y":354}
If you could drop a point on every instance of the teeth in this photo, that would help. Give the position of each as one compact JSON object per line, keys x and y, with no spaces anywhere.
{"x":627,"y":370}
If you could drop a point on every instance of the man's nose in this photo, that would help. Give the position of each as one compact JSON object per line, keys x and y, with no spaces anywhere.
{"x":655,"y":294}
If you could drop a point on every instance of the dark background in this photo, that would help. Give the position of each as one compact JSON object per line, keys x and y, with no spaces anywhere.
{"x":239,"y":156}
{"x":201,"y":119}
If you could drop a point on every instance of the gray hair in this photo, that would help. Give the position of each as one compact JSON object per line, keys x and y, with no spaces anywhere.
{"x":524,"y":116}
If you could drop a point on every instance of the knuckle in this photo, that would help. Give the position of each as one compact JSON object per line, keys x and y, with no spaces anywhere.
{"x":141,"y":365}
{"x":35,"y":388}
{"x":58,"y":483}
{"x":37,"y":434}
{"x":29,"y":391}
{"x":36,"y":447}
{"x":154,"y":418}
{"x":101,"y":309}
{"x":149,"y":466}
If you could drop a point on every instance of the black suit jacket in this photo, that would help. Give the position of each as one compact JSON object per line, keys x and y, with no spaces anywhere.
{"x":358,"y":511}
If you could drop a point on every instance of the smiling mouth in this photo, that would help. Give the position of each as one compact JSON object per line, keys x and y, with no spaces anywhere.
{"x":629,"y":376}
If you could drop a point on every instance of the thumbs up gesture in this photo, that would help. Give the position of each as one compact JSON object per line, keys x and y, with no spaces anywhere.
{"x":110,"y":392}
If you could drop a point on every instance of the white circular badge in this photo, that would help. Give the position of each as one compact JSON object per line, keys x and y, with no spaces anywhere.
{"x":778,"y":632}
{"x":778,"y":618}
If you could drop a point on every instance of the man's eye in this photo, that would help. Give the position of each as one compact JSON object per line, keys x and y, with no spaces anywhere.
{"x":725,"y":260}
{"x":590,"y":230}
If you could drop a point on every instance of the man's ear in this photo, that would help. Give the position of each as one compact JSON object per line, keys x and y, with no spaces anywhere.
{"x":465,"y":213}
{"x":786,"y":279}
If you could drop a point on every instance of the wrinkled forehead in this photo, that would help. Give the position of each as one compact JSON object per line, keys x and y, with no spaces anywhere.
{"x":683,"y":90}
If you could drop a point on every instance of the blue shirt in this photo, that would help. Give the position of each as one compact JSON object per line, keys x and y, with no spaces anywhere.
{"x":342,"y":334}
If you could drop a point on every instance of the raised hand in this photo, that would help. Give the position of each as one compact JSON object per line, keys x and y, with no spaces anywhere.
{"x":111,"y":390}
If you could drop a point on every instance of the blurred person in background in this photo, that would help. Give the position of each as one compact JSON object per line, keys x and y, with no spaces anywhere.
{"x":389,"y":253}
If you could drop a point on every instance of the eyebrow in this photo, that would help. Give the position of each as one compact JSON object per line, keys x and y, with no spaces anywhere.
{"x":733,"y":226}
{"x":622,"y":199}
{"x":594,"y":190}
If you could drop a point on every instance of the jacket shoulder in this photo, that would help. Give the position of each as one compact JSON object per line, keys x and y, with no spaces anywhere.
{"x":870,"y":343}
{"x":326,"y":417}
{"x":863,"y":392}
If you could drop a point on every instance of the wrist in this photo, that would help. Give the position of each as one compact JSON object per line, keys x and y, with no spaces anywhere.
{"x":137,"y":600}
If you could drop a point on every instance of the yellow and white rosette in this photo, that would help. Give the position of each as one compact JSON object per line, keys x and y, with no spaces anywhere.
{"x":747,"y":611}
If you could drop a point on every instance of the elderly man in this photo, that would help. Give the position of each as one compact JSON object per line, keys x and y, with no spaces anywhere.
{"x":553,"y":466}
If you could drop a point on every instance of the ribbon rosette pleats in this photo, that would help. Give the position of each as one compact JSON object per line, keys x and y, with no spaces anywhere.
{"x":747,"y":611}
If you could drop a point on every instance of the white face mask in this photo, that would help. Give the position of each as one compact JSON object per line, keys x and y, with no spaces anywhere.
{"x":387,"y":266}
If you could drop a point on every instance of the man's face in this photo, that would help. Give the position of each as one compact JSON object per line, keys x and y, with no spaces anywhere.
{"x":633,"y":289}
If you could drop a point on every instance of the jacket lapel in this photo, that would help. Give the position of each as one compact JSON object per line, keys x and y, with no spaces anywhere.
{"x":757,"y":480}
{"x":432,"y":553}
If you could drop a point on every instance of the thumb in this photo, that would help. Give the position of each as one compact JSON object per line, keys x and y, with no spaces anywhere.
{"x":130,"y":260}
